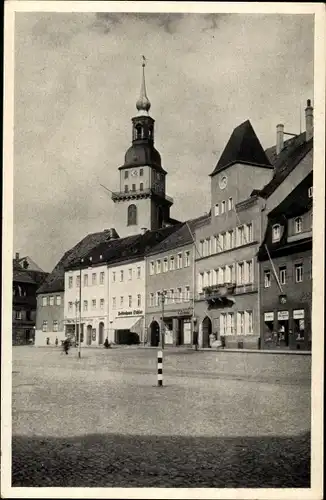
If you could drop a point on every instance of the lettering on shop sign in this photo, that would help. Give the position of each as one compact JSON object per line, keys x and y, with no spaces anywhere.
{"x":184,"y":311}
{"x":135,"y":312}
{"x":298,"y":314}
{"x":282,"y":315}
{"x":269,"y":316}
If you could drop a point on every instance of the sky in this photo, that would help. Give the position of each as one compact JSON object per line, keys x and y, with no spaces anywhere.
{"x":77,"y":79}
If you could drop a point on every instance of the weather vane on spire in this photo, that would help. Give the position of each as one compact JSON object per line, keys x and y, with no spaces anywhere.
{"x":144,"y":61}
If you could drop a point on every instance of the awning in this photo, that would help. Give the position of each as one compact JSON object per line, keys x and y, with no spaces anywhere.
{"x":126,"y":323}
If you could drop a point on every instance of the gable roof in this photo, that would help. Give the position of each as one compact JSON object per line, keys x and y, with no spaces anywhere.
{"x":243,"y":147}
{"x":32,"y":266}
{"x":22,"y":276}
{"x":55,"y":280}
{"x":292,"y":154}
{"x":180,"y":237}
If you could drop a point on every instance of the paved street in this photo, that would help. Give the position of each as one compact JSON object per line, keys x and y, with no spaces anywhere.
{"x":221,"y":420}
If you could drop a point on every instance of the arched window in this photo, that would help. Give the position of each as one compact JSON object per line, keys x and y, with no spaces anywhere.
{"x":132,"y":215}
{"x":276,"y":233}
{"x":138,"y":131}
{"x":298,"y":225}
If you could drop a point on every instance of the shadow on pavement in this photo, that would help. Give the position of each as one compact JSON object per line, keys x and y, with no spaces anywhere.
{"x":109,"y":460}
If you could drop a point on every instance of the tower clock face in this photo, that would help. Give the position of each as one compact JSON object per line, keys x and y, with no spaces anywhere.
{"x":223,"y":182}
{"x":134,"y":173}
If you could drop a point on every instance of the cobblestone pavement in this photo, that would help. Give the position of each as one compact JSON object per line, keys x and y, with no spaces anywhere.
{"x":221,"y":420}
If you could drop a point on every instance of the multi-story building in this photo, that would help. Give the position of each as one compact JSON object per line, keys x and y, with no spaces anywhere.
{"x":227,"y":300}
{"x":27,"y":277}
{"x":285,"y":258}
{"x":170,"y":271}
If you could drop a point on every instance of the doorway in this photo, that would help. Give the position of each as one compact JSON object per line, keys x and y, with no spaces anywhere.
{"x":155,"y":334}
{"x":207,"y":330}
{"x":101,"y":333}
{"x":89,"y":335}
{"x":283,"y":333}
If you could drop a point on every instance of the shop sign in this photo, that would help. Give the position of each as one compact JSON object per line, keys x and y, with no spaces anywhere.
{"x":269,"y":316}
{"x":184,"y":312}
{"x":135,"y":312}
{"x":298,"y":314}
{"x":283,"y":315}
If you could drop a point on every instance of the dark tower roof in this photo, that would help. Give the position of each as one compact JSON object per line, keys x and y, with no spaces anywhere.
{"x":243,"y":147}
{"x":142,"y":154}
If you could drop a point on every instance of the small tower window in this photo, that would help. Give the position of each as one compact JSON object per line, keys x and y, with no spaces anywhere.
{"x":126,"y":174}
{"x":141,"y":172}
{"x":133,"y":187}
{"x":132,"y":215}
{"x":138,"y":131}
{"x":141,"y":186}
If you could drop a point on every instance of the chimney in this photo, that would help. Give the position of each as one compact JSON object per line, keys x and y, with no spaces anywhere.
{"x":17,"y":256}
{"x":279,"y":138}
{"x":309,"y":120}
{"x":143,"y":230}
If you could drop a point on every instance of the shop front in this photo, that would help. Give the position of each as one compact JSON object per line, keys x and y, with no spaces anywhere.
{"x":286,"y":329}
{"x":177,"y":328}
{"x":128,"y":327}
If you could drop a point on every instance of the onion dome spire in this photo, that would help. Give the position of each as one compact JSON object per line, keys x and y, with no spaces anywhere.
{"x":143,"y":104}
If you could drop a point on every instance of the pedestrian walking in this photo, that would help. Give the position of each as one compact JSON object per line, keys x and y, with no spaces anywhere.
{"x":195,"y":339}
{"x":47,"y":340}
{"x":66,"y":345}
{"x":56,"y":341}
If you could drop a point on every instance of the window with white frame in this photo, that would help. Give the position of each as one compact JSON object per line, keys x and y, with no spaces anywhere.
{"x":249,"y":233}
{"x":200,"y":282}
{"x":70,"y":281}
{"x":223,"y":241}
{"x":187,"y":258}
{"x":121,"y":275}
{"x":165,"y":265}
{"x":151,"y":268}
{"x":157,"y":298}
{"x":230,"y":204}
{"x":18,"y":315}
{"x":310,"y":192}
{"x":282,"y":275}
{"x":55,"y":325}
{"x":241,"y":323}
{"x":94,"y":279}
{"x":231,"y":239}
{"x":130,"y":274}
{"x":276,"y":233}
{"x":240,"y":273}
{"x":102,"y":304}
{"x":179,"y":261}
{"x":77,"y":281}
{"x":121,"y":301}
{"x":102,"y":278}
{"x":220,"y":276}
{"x":114,"y":302}
{"x":44,"y":326}
{"x":179,"y":294}
{"x":70,"y":307}
{"x":215,"y":244}
{"x":85,"y":279}
{"x":222,"y":323}
{"x":187,"y":293}
{"x":129,"y":301}
{"x":201,"y":248}
{"x":249,"y":273}
{"x":93,"y":304}
{"x":58,"y":300}
{"x":233,"y":278}
{"x":151,"y":299}
{"x":138,"y":272}
{"x":298,"y":225}
{"x":172,"y":264}
{"x":44,"y":301}
{"x":240,"y":235}
{"x":113,"y":276}
{"x":138,"y":300}
{"x":248,"y":322}
{"x":223,"y":204}
{"x":227,"y":275}
{"x":171,"y":296}
{"x":216,"y":210}
{"x":85,"y":305}
{"x":214,"y":276}
{"x":267,"y":279}
{"x":158,"y":267}
{"x":230,"y":330}
{"x":298,"y":270}
{"x":208,"y":246}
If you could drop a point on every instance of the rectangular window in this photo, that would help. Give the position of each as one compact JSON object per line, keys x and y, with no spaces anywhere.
{"x":222,"y":324}
{"x":77,"y":281}
{"x":151,"y":268}
{"x":101,"y":278}
{"x":138,"y":300}
{"x":267,"y":279}
{"x":102,"y":304}
{"x":94,"y":279}
{"x":216,"y":210}
{"x":282,"y":275}
{"x":249,"y":274}
{"x":58,"y":300}
{"x":187,"y":259}
{"x":171,"y":296}
{"x":44,"y":326}
{"x":172,"y":264}
{"x":310,"y":192}
{"x":187,"y":294}
{"x":133,"y":187}
{"x":151,"y":299}
{"x":121,"y":275}
{"x":231,"y":239}
{"x":129,"y":274}
{"x":126,"y":189}
{"x":55,"y":325}
{"x":240,"y":273}
{"x":51,"y":300}
{"x":209,"y":246}
{"x":70,"y":307}
{"x":201,"y":248}
{"x":222,"y":242}
{"x":298,"y":273}
{"x":200,"y":282}
{"x":248,"y":322}
{"x":240,"y":236}
{"x":44,"y":301}
{"x":157,"y":298}
{"x":230,"y":330}
{"x":214,"y":245}
{"x":241,"y":323}
{"x":129,"y":301}
{"x":85,"y":279}
{"x":113,"y":276}
{"x":165,"y":265}
{"x":141,"y":172}
{"x":276,"y":233}
{"x":230,"y":204}
{"x":141,"y":186}
{"x":233,"y":280}
{"x":121,"y":301}
{"x":138,"y":272}
{"x":227,"y":275}
{"x":114,"y":302}
{"x":179,"y":295}
{"x":18,"y":315}
{"x":93,"y":303}
{"x":70,"y":282}
{"x":85,"y":305}
{"x":126,"y":174}
{"x":298,"y":225}
{"x":158,"y":267}
{"x":179,"y":261}
{"x":223,"y":207}
{"x":249,"y":233}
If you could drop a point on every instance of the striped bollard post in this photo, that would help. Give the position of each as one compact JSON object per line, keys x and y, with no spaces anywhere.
{"x":160,"y":368}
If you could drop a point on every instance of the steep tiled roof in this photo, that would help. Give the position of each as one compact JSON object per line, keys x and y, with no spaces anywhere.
{"x":55,"y":280}
{"x":124,"y":249}
{"x":21,"y":276}
{"x":242,"y":147}
{"x":180,"y":237}
{"x":293,"y":152}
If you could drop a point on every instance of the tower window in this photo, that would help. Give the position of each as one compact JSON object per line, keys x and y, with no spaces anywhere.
{"x":132,"y":215}
{"x":126,"y":174}
{"x":138,"y":131}
{"x":133,"y":187}
{"x":141,"y":186}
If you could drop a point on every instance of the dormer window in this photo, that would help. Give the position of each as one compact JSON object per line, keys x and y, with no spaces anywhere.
{"x":276,"y":233}
{"x":298,"y":225}
{"x":310,"y":192}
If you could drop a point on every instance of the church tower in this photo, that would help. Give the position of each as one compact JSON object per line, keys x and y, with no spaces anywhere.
{"x":141,"y":202}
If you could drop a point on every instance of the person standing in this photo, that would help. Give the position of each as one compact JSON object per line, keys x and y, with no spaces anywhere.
{"x":56,"y":341}
{"x":195,"y":339}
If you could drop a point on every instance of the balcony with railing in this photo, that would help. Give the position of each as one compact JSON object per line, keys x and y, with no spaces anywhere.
{"x":218,"y":295}
{"x":140,"y":193}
